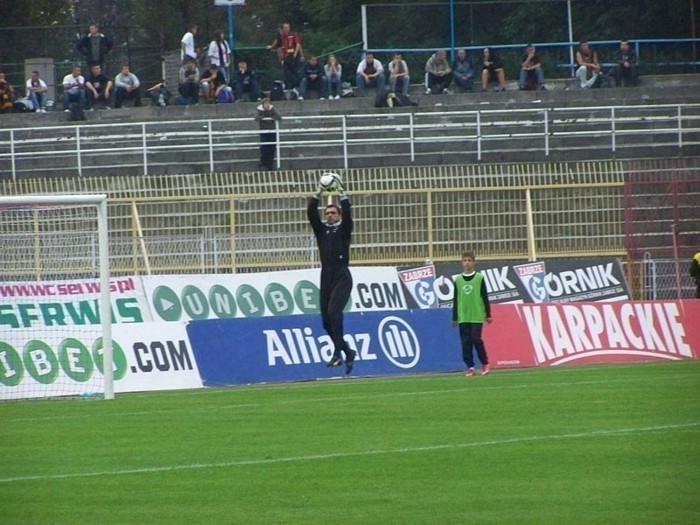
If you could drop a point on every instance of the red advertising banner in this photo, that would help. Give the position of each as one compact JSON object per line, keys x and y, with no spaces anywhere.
{"x":581,"y":333}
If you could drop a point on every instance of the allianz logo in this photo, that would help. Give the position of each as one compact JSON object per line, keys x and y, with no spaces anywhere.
{"x":294,"y":346}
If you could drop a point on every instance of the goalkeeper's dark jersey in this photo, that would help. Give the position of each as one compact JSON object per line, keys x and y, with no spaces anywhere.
{"x":333,"y":239}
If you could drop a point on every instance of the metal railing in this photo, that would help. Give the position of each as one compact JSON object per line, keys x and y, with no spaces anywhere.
{"x":347,"y":141}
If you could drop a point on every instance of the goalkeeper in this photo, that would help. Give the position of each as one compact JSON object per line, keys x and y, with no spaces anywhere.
{"x":333,"y":239}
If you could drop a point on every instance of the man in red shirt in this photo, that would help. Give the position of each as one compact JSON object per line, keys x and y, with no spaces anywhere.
{"x":290,"y":53}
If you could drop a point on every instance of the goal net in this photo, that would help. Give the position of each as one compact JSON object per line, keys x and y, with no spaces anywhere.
{"x":55,"y":326}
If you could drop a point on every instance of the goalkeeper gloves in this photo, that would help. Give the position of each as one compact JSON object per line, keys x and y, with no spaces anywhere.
{"x":339,"y":186}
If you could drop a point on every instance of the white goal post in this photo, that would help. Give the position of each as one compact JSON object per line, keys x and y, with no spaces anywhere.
{"x":54,"y":245}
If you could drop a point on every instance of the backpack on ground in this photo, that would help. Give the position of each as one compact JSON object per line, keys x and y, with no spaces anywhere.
{"x":225,"y":96}
{"x":76,"y":113}
{"x":277,"y":91}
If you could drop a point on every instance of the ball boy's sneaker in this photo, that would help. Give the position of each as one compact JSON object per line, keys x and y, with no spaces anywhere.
{"x":470,"y":372}
{"x":485,"y":370}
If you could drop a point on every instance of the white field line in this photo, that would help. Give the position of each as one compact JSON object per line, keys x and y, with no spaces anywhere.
{"x":340,"y":455}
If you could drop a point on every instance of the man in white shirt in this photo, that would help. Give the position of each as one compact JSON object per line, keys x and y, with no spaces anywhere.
{"x":187,"y":48}
{"x":74,"y":89}
{"x":370,"y":73}
{"x":36,"y":92}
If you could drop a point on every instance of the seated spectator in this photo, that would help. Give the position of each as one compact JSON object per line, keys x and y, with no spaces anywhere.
{"x":334,"y":74}
{"x":462,"y":71}
{"x":212,"y":81}
{"x":246,"y":82}
{"x":128,"y":87}
{"x":98,"y":87}
{"x":625,"y":70}
{"x":399,"y":78}
{"x":588,"y":72}
{"x":7,"y":94}
{"x":370,"y":73}
{"x":188,"y":85}
{"x":492,"y":69}
{"x":159,"y":94}
{"x":313,"y":77}
{"x":531,"y":75}
{"x":438,"y":74}
{"x":74,"y":89}
{"x":36,"y":92}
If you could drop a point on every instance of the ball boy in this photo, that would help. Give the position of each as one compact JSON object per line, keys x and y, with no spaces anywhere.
{"x":470,"y":307}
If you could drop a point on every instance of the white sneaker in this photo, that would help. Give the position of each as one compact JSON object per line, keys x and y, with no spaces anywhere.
{"x":337,"y":97}
{"x":428,"y":91}
{"x":322,"y":98}
{"x":300,"y":98}
{"x":446,"y":92}
{"x":66,"y":110}
{"x":42,"y":110}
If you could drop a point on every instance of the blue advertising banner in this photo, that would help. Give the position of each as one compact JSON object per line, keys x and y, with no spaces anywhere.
{"x":296,"y":348}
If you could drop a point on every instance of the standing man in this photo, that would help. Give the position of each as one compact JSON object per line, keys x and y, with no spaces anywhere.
{"x":695,"y":273}
{"x":267,"y":117}
{"x":470,"y":308}
{"x":187,"y":49}
{"x":290,"y":53}
{"x":333,"y":239}
{"x":94,"y":46}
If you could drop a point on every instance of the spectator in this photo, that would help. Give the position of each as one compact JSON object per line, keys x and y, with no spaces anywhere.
{"x":313,"y":77}
{"x":36,"y":92}
{"x":588,"y":71}
{"x":695,"y":273}
{"x":492,"y":68}
{"x":334,"y":74}
{"x":290,"y":54}
{"x":212,"y":82}
{"x":187,"y":49}
{"x":246,"y":82}
{"x":94,"y":46}
{"x":7,"y":94}
{"x":625,"y":70}
{"x":462,"y":71}
{"x":220,"y":53}
{"x":188,"y":86}
{"x":74,"y":89}
{"x":438,"y":74}
{"x":128,"y":87}
{"x":267,"y":116}
{"x":399,"y":78}
{"x":370,"y":73}
{"x":98,"y":87}
{"x":531,"y":75}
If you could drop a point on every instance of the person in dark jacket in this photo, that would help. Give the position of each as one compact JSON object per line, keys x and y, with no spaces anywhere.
{"x":333,"y":238}
{"x":267,"y":117}
{"x":246,"y":82}
{"x":94,"y":46}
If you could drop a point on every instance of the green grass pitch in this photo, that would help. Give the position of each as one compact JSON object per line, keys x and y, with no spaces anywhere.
{"x":595,"y":444}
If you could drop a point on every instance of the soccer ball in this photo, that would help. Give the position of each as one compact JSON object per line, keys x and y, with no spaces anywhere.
{"x":329,"y":181}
